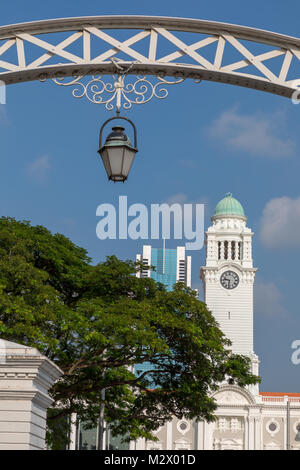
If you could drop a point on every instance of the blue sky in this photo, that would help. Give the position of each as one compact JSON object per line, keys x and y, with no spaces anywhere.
{"x":201,"y":142}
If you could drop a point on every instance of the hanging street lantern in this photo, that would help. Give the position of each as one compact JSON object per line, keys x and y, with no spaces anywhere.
{"x":117,"y":153}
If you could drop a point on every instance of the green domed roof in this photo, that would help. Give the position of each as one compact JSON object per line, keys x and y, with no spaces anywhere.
{"x":229,"y":206}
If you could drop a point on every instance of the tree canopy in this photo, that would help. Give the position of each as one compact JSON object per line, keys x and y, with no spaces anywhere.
{"x":97,"y":322}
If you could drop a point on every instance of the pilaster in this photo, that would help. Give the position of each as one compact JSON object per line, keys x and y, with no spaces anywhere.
{"x":25,"y":379}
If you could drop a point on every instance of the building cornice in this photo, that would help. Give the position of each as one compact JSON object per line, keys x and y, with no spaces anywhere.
{"x":228,"y":265}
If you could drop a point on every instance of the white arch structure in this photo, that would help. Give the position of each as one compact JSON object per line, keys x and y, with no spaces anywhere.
{"x":187,"y":60}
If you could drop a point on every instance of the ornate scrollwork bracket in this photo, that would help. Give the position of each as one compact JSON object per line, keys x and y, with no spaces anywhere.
{"x":114,"y":92}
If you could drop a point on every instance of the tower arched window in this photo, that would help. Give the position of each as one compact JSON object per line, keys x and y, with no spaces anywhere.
{"x":226,"y":250}
{"x":233,"y":254}
{"x":240,"y":250}
{"x":219,"y":250}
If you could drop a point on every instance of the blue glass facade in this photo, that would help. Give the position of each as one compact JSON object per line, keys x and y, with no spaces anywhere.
{"x":165,"y":262}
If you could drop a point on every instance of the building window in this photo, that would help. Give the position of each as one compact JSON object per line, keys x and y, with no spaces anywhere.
{"x":272,"y":427}
{"x":297,"y":431}
{"x":115,"y":442}
{"x":219,"y":250}
{"x":240,"y":250}
{"x":225,"y":250}
{"x":232,"y":250}
{"x":183,"y":426}
{"x":145,"y":271}
{"x":182,"y":270}
{"x":87,"y":439}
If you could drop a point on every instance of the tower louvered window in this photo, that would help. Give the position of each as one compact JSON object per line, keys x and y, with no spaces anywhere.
{"x":240,"y":250}
{"x":226,"y":250}
{"x":233,"y":254}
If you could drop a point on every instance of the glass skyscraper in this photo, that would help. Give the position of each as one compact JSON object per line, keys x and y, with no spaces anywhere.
{"x":171,"y":266}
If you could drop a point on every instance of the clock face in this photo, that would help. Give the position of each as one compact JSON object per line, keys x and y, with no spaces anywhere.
{"x":229,"y":280}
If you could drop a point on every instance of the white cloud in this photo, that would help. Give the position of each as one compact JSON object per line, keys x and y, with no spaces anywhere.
{"x":38,"y":169}
{"x":268,"y":300}
{"x":179,"y":198}
{"x":258,"y":134}
{"x":280,"y":222}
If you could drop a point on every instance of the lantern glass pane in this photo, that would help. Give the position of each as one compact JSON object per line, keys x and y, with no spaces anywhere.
{"x":128,"y":160}
{"x":115,"y":155}
{"x":104,"y":156}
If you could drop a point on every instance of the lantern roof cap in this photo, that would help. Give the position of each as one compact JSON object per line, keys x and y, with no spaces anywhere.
{"x":117,"y":138}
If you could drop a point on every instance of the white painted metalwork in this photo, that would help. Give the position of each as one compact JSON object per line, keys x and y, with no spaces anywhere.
{"x":99,"y":91}
{"x":188,"y":59}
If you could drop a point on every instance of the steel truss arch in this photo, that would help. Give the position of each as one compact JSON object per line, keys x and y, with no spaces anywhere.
{"x":152,"y":61}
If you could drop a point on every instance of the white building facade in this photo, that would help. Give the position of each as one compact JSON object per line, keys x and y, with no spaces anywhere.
{"x":26,"y":376}
{"x":247,"y":419}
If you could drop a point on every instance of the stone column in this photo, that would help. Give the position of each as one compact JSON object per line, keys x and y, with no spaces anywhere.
{"x":208,"y":435}
{"x":229,"y":250}
{"x":25,"y":378}
{"x":251,"y":431}
{"x":246,"y":433}
{"x":132,"y":445}
{"x":169,"y":436}
{"x":236,"y":249}
{"x":258,"y":443}
{"x":200,"y":435}
{"x":222,"y":251}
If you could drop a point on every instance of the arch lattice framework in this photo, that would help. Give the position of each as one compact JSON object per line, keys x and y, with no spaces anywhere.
{"x":188,"y":59}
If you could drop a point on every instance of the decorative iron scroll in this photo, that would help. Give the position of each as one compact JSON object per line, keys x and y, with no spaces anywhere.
{"x":114,"y":92}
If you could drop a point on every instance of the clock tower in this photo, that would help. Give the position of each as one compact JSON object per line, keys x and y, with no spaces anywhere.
{"x":228,"y":276}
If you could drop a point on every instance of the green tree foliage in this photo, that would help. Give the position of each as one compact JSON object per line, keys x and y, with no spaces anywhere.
{"x":97,"y":322}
